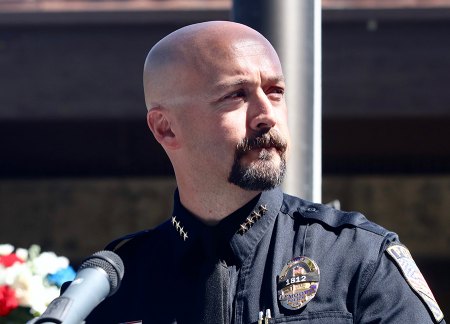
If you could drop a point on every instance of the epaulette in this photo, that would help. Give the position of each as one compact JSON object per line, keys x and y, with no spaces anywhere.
{"x":330,"y":216}
{"x":117,"y":243}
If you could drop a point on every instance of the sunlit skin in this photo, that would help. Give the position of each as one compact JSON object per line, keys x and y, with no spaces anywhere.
{"x":208,"y":86}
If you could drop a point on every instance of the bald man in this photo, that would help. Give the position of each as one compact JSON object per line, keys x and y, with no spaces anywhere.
{"x":236,"y":249}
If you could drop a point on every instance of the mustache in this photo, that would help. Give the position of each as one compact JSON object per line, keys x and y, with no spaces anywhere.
{"x":262,"y":140}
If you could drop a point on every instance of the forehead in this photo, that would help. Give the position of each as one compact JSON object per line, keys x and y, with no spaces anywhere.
{"x":245,"y":59}
{"x":248,"y":47}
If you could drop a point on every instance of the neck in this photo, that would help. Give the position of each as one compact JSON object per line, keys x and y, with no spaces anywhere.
{"x":213,"y":205}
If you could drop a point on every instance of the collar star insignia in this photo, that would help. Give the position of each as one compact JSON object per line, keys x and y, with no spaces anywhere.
{"x":255,"y":215}
{"x":242,"y":228}
{"x":183,"y":234}
{"x":179,"y":228}
{"x":263,"y":209}
{"x":252,"y":219}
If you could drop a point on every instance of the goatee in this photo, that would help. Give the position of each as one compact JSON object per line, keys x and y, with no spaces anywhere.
{"x":262,"y":174}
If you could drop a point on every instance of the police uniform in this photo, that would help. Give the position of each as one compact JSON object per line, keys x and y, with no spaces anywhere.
{"x":280,"y":259}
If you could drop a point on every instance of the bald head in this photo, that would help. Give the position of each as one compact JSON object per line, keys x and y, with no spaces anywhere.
{"x":177,"y":63}
{"x":210,"y":87}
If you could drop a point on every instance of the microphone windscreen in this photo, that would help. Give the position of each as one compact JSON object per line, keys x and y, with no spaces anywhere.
{"x":111,"y":263}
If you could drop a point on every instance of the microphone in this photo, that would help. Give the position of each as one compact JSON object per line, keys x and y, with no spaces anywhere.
{"x":98,"y":277}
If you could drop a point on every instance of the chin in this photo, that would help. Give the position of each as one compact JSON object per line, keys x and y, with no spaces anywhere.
{"x":260,"y":175}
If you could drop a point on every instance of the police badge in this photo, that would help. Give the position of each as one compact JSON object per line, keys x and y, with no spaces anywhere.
{"x":298,"y":283}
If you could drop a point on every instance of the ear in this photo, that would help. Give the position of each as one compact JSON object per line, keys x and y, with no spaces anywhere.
{"x":159,"y":124}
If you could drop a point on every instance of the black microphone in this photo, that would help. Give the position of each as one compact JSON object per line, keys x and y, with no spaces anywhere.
{"x":98,"y":277}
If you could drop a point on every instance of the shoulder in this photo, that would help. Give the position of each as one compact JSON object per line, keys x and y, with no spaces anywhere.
{"x":349,"y":237}
{"x":138,"y":242}
{"x":359,"y":244}
{"x":146,"y":258}
{"x":139,"y":251}
{"x":332,"y":218}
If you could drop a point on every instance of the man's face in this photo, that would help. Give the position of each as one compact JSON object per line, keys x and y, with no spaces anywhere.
{"x":235,"y":126}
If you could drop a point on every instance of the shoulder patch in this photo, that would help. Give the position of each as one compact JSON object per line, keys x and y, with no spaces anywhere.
{"x":402,"y":257}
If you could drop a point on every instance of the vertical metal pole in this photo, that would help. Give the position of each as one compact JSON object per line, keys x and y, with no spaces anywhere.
{"x":294,"y":29}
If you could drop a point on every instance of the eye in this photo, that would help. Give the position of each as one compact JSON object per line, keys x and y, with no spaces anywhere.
{"x":239,"y":94}
{"x":275,"y":93}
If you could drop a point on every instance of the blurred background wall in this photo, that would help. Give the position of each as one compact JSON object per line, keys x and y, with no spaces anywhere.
{"x":78,"y":166}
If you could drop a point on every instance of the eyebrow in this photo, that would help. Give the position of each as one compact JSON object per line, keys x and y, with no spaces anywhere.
{"x":238,"y":82}
{"x":231,"y":84}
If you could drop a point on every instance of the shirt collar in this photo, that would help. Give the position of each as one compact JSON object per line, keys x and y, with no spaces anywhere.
{"x":239,"y":232}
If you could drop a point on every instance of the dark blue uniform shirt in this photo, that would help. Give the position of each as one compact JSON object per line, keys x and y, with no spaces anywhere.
{"x":360,"y":282}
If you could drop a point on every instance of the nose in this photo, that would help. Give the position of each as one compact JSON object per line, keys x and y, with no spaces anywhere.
{"x":261,"y":113}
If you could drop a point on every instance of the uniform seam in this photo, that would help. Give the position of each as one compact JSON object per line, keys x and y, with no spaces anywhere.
{"x":373,"y":264}
{"x":121,"y":242}
{"x":240,"y":297}
{"x":370,"y":270}
{"x":384,"y":234}
{"x":318,"y":315}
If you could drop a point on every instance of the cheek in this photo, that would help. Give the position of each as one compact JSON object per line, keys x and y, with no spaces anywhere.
{"x":214,"y":132}
{"x":233,"y":127}
{"x":195,"y":139}
{"x":282,"y":119}
{"x":283,"y":111}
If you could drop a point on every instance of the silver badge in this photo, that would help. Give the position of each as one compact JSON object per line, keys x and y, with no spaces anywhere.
{"x":298,"y":283}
